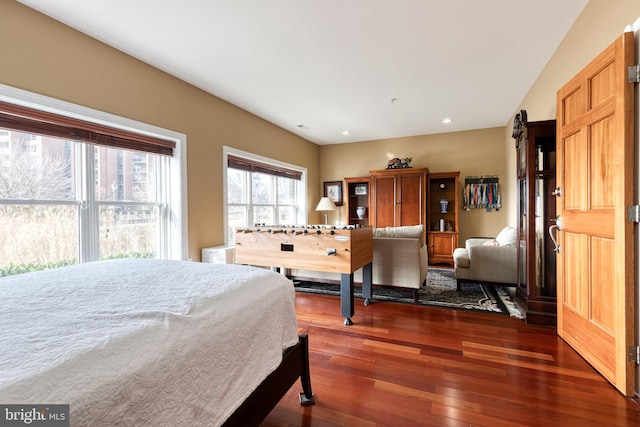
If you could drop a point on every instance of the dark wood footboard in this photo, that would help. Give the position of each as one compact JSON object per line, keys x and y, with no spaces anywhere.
{"x":295,"y":364}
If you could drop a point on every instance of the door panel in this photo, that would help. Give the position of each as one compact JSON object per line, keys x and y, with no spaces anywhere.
{"x":573,"y":295}
{"x":602,"y":86}
{"x":575,"y":172}
{"x":410,"y":190}
{"x":385,"y":202}
{"x":574,"y":105}
{"x":595,"y":172}
{"x":601,"y":161}
{"x":594,"y":341}
{"x":602,"y":292}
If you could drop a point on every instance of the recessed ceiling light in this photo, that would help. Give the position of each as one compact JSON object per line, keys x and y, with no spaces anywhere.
{"x":447,"y":121}
{"x":346,"y":132}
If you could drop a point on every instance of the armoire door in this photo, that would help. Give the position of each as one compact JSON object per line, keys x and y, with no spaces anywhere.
{"x":595,"y":175}
{"x":384,"y":201}
{"x":411,"y":203}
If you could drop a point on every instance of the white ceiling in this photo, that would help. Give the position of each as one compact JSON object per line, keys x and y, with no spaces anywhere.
{"x":378,"y":68}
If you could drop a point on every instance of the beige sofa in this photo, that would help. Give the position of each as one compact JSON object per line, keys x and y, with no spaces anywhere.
{"x":399,"y":260}
{"x":488,"y":260}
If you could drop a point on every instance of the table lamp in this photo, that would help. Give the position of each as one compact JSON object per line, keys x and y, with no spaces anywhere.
{"x":326,"y":205}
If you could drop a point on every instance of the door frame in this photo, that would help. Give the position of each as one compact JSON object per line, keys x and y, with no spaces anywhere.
{"x":636,"y":30}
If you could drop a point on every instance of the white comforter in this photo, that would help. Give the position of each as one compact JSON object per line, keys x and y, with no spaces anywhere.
{"x":143,"y":342}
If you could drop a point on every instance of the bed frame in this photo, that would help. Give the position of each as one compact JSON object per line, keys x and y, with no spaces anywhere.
{"x":294,"y":365}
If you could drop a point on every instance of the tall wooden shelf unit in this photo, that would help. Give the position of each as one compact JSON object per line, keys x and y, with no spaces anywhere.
{"x":398,"y":197}
{"x":358,"y":193}
{"x":442,"y":241}
{"x":536,"y":181}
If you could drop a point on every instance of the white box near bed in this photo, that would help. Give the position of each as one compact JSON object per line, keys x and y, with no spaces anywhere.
{"x":219,"y":255}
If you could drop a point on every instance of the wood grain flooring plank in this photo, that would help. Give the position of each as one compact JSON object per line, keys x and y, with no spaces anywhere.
{"x":509,"y":351}
{"x":408,"y":392}
{"x":472,"y":418}
{"x":529,"y":365}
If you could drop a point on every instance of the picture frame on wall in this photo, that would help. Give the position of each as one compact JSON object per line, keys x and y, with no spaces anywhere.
{"x":333,"y":190}
{"x":360,"y":190}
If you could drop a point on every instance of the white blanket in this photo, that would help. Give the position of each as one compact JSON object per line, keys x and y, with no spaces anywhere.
{"x":143,"y":342}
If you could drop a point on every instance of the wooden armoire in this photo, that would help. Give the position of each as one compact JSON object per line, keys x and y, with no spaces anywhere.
{"x":398,"y":197}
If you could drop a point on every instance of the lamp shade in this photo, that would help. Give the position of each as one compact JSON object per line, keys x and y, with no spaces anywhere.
{"x":326,"y":204}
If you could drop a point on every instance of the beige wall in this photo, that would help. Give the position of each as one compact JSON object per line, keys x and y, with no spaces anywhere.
{"x":601,"y":22}
{"x":43,"y":56}
{"x":477,"y":152}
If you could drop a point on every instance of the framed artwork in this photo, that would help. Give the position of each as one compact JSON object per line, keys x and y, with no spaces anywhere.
{"x":333,"y":190}
{"x":360,"y":190}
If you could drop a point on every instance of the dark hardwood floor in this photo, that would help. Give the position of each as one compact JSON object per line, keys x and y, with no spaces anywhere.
{"x":405,"y":365}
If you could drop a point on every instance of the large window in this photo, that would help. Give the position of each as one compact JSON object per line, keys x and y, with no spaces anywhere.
{"x":262,"y":191}
{"x":64,"y":201}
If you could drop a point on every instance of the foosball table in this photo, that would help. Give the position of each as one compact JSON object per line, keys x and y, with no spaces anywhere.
{"x":337,"y":249}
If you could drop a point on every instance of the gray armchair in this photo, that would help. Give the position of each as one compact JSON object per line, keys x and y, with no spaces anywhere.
{"x":488,"y":260}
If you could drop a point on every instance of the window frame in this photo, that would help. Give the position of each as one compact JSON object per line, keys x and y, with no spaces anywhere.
{"x":176,"y":210}
{"x":301,"y":205}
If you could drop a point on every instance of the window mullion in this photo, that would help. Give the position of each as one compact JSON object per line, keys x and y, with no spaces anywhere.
{"x":249,"y":186}
{"x":162,"y":178}
{"x":89,"y":227}
{"x":276,"y":201}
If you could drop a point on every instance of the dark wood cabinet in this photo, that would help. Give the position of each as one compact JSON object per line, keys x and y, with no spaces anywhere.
{"x":442,"y":216}
{"x":536,"y":182}
{"x":357,"y":201}
{"x":398,"y":197}
{"x":441,"y":247}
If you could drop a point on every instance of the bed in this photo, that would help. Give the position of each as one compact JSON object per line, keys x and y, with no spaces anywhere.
{"x":151,"y":342}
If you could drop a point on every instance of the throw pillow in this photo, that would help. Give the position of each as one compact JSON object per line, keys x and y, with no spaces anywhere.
{"x":491,"y":242}
{"x":507,"y":237}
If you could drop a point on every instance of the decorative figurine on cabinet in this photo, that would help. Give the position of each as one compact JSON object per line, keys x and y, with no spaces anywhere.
{"x":398,"y":163}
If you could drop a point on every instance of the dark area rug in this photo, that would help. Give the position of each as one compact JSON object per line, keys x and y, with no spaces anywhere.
{"x":440,"y":291}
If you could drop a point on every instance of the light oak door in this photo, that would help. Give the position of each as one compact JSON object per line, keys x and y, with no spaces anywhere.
{"x":595,"y":175}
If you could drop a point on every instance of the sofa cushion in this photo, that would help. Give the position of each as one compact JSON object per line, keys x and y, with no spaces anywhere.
{"x":507,"y":237}
{"x":405,"y":231}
